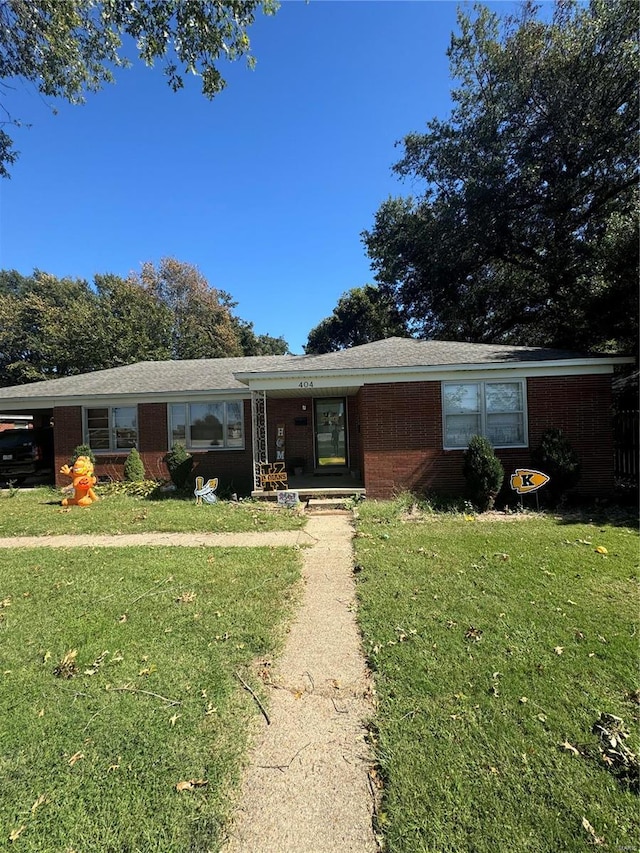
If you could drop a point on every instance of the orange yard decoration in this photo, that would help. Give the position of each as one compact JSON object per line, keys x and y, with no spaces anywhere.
{"x":82,"y":482}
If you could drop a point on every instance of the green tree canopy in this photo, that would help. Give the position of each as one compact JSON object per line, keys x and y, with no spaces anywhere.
{"x":526,"y":228}
{"x":362,"y":315}
{"x":67,"y":48}
{"x":51,"y":327}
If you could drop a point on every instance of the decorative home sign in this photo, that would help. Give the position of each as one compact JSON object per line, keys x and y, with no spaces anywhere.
{"x":273,"y":476}
{"x":525,"y":480}
{"x":205,"y":491}
{"x":280,"y":443}
{"x":288,"y":499}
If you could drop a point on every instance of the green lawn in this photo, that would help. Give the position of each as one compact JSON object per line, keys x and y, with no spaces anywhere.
{"x":118,"y":680}
{"x":36,"y":512}
{"x":496,"y":645}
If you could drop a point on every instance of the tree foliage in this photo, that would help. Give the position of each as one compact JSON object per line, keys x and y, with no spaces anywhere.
{"x":526,"y":228}
{"x":67,"y":48}
{"x":51,"y":327}
{"x":362,"y":315}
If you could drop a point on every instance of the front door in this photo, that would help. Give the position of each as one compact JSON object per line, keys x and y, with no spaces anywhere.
{"x":330,"y":432}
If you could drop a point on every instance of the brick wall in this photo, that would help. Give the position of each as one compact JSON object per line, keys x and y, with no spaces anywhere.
{"x":402,"y":434}
{"x":298,"y":437}
{"x":67,"y":435}
{"x":232,"y":467}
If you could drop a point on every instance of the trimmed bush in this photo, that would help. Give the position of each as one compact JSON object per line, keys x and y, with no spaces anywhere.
{"x":483,"y":472}
{"x":134,"y":467}
{"x":556,"y":458}
{"x":179,"y":464}
{"x":83,"y":450}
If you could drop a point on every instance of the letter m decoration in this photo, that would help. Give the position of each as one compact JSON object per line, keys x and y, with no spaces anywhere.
{"x":273,"y":476}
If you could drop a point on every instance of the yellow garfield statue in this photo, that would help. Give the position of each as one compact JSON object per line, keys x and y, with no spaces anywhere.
{"x":82,"y":482}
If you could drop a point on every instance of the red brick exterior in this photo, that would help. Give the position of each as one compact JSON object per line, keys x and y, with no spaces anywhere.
{"x":402,"y":434}
{"x":232,"y":467}
{"x":395,"y":437}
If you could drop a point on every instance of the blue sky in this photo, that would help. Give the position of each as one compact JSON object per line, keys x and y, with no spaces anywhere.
{"x":265,"y":189}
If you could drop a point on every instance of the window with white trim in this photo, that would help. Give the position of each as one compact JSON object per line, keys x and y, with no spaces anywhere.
{"x":111,"y":428}
{"x":213,"y":425}
{"x":495,"y":410}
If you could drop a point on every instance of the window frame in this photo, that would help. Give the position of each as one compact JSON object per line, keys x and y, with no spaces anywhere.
{"x":482,"y":413}
{"x":111,"y":429}
{"x":224,"y":447}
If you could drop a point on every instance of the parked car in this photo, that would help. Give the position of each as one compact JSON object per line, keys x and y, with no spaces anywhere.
{"x":24,"y":452}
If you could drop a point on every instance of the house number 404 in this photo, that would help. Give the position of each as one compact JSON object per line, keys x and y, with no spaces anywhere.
{"x":305,"y":384}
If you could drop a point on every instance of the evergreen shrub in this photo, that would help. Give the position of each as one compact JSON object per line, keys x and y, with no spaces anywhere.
{"x":483,"y":472}
{"x":556,"y":458}
{"x":179,"y":464}
{"x":134,"y":467}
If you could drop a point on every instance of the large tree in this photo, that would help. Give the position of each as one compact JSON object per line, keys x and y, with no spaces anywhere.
{"x":46,"y":327}
{"x":362,"y":315}
{"x":51,"y":327}
{"x":66,"y":48}
{"x":203,"y":325}
{"x":526,"y":227}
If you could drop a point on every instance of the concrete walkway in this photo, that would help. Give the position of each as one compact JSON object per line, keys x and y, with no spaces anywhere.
{"x":272,"y":538}
{"x":306,"y":788}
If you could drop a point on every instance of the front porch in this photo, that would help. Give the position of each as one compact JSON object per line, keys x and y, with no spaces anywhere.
{"x":330,"y":485}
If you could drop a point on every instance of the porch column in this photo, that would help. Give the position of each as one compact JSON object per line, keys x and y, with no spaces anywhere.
{"x":259,"y":433}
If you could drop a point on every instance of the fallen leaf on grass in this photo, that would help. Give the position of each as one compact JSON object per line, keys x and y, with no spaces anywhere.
{"x":16,"y":833}
{"x":600,"y":549}
{"x":77,"y":756}
{"x":67,"y":667}
{"x":559,"y":650}
{"x":595,"y":838}
{"x":473,"y":634}
{"x":39,"y":802}
{"x":191,"y":784}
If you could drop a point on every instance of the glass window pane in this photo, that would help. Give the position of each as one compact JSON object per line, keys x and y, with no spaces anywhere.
{"x":125,"y":428}
{"x":207,"y":421}
{"x":460,"y":429}
{"x":98,"y":428}
{"x":459,"y":399}
{"x":235,"y":437}
{"x":98,"y":418}
{"x":177,"y":424}
{"x":503,"y":396}
{"x":505,"y":429}
{"x":98,"y":439}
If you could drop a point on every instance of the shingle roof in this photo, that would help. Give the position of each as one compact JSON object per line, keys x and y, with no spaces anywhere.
{"x":150,"y":377}
{"x":409,"y":352}
{"x":219,"y":374}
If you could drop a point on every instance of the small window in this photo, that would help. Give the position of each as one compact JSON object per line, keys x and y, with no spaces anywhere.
{"x":111,"y":428}
{"x":213,"y":425}
{"x":495,"y":410}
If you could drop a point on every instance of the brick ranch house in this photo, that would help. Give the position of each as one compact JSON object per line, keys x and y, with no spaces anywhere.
{"x":384,"y":417}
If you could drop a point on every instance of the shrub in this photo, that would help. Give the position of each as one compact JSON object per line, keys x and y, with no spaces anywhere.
{"x":483,"y":472}
{"x":139,"y":489}
{"x":556,"y":458}
{"x":179,"y":464}
{"x":134,"y":467}
{"x":83,"y":450}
